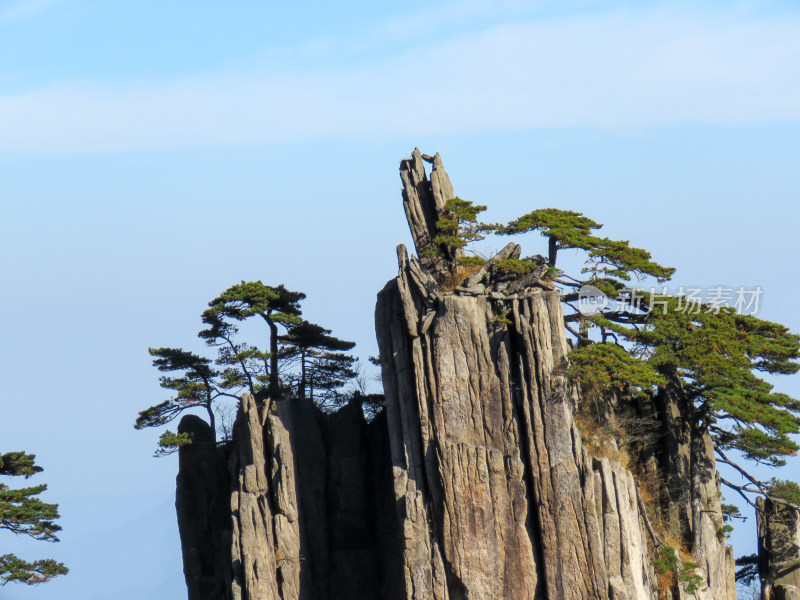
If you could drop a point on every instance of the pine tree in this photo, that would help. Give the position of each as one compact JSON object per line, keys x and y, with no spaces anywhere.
{"x":22,"y":512}
{"x":198,"y":386}
{"x":606,"y":258}
{"x":711,"y":353}
{"x":715,"y":356}
{"x":457,"y":227}
{"x":207,"y":384}
{"x":324,"y":367}
{"x":275,"y":305}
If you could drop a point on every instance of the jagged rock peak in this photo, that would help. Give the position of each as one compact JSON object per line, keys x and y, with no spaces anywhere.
{"x":473,"y":484}
{"x":497,"y":494}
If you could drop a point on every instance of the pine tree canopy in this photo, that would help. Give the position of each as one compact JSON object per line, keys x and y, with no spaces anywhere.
{"x":784,"y":490}
{"x":324,"y":368}
{"x":18,"y":463}
{"x":251,"y":298}
{"x":570,"y":229}
{"x":608,"y":365}
{"x":717,"y":356}
{"x":305,"y":358}
{"x":458,"y":224}
{"x":607,"y":258}
{"x":307,"y":336}
{"x":275,"y":305}
{"x":22,"y":512}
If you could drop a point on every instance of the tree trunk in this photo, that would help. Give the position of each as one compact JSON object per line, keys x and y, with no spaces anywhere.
{"x":274,"y":389}
{"x":552,"y":251}
{"x":302,"y":391}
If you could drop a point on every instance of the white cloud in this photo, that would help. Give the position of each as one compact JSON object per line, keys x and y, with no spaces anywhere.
{"x":24,"y":9}
{"x":611,"y":70}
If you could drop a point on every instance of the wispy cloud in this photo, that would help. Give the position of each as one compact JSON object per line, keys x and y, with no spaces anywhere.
{"x":616,"y":69}
{"x":24,"y":9}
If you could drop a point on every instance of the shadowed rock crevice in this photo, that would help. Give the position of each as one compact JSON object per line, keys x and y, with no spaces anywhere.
{"x":300,"y":507}
{"x":203,"y":504}
{"x":779,"y":549}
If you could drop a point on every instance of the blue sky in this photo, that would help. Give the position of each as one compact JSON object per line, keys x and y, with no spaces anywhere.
{"x":153,"y":154}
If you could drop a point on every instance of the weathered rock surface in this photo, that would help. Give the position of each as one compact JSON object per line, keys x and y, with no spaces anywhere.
{"x":691,"y":505}
{"x":779,"y":549}
{"x":299,"y":510}
{"x":423,"y":200}
{"x":203,"y":501}
{"x":498,"y":497}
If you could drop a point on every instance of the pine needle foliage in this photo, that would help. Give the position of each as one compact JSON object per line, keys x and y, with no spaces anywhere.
{"x":717,"y":355}
{"x":606,"y":258}
{"x":784,"y":490}
{"x":14,"y":569}
{"x":23,"y":513}
{"x":458,"y":224}
{"x":302,"y":360}
{"x":516,"y":267}
{"x":684,"y":572}
{"x":324,"y":366}
{"x":607,"y":365}
{"x":170,"y":442}
{"x":570,"y":229}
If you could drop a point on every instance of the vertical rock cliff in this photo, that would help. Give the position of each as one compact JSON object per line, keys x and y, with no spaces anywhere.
{"x":779,"y":549}
{"x":498,"y":496}
{"x":299,"y":505}
{"x":475,"y":483}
